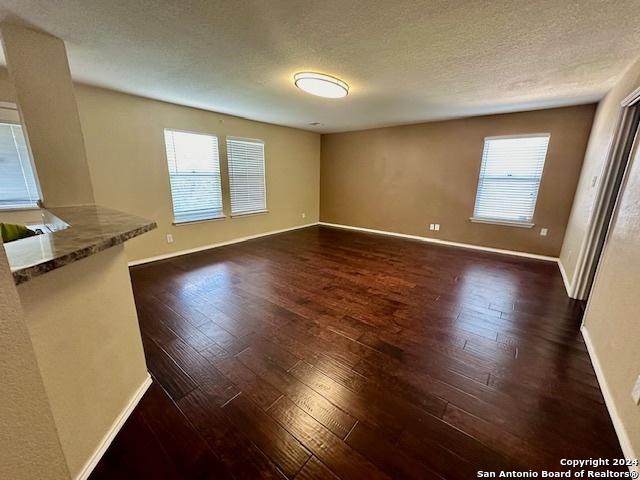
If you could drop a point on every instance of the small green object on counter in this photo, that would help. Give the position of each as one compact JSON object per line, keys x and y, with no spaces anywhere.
{"x":11,"y":232}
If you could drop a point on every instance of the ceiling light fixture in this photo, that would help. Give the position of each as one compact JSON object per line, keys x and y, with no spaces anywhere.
{"x":321,"y":85}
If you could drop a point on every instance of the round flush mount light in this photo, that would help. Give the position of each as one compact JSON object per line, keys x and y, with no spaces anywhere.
{"x":321,"y":85}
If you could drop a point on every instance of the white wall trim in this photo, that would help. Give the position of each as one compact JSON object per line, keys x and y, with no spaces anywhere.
{"x":445,"y":242}
{"x":113,"y":431}
{"x":565,"y":279}
{"x":216,"y":245}
{"x":621,"y":431}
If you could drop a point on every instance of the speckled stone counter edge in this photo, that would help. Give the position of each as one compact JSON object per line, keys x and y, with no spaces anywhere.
{"x":92,"y":230}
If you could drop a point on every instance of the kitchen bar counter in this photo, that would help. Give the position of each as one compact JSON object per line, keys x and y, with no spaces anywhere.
{"x":92,"y":229}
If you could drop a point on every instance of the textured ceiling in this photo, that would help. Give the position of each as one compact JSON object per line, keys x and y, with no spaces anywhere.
{"x":406,"y":61}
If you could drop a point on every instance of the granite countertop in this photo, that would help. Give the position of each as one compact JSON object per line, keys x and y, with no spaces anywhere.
{"x":92,"y":229}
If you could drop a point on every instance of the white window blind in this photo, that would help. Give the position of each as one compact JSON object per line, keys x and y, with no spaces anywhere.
{"x":18,"y":188}
{"x":510,"y":177}
{"x":246,"y":176}
{"x":194,"y":173}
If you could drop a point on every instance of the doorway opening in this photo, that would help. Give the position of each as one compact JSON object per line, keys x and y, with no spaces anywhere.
{"x":607,"y":196}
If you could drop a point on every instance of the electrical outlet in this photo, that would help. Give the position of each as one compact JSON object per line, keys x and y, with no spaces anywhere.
{"x":169,"y":238}
{"x":432,"y":226}
{"x":543,"y":232}
{"x":437,"y":226}
{"x":304,"y":215}
{"x":635,"y":394}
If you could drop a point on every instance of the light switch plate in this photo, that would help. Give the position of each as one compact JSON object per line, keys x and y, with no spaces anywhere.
{"x":543,"y":232}
{"x":635,"y":394}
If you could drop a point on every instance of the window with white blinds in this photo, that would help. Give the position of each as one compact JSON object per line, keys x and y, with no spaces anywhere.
{"x":18,"y":187}
{"x":194,"y":173}
{"x":510,"y":178}
{"x":246,"y":175}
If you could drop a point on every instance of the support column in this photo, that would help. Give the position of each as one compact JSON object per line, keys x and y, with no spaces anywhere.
{"x":37,"y":63}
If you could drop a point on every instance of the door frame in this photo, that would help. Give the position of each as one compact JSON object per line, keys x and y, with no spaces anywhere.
{"x":607,"y":194}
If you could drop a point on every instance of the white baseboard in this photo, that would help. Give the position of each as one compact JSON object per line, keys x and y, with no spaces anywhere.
{"x":621,"y":431}
{"x":565,"y":280}
{"x":445,"y":242}
{"x":216,"y":245}
{"x":113,"y":431}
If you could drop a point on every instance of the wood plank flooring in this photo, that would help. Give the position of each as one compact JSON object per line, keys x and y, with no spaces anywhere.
{"x":324,"y":353}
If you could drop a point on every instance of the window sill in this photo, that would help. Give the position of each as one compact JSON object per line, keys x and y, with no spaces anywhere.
{"x":247,"y":214}
{"x":504,"y":223}
{"x":19,"y":209}
{"x":191,"y":222}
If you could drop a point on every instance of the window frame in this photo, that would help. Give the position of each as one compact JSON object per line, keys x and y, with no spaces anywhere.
{"x":507,"y":222}
{"x":264,"y":176}
{"x":15,"y":119}
{"x":222,"y":214}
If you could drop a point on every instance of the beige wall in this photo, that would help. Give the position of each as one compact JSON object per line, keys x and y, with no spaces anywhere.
{"x":85,"y":335}
{"x":401,"y":179}
{"x":7,"y":91}
{"x":604,"y":125}
{"x":125,"y":146}
{"x":125,"y":149}
{"x":37,"y":64}
{"x":29,"y":446}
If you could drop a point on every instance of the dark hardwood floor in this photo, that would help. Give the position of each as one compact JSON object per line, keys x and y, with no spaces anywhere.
{"x":323,"y":353}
